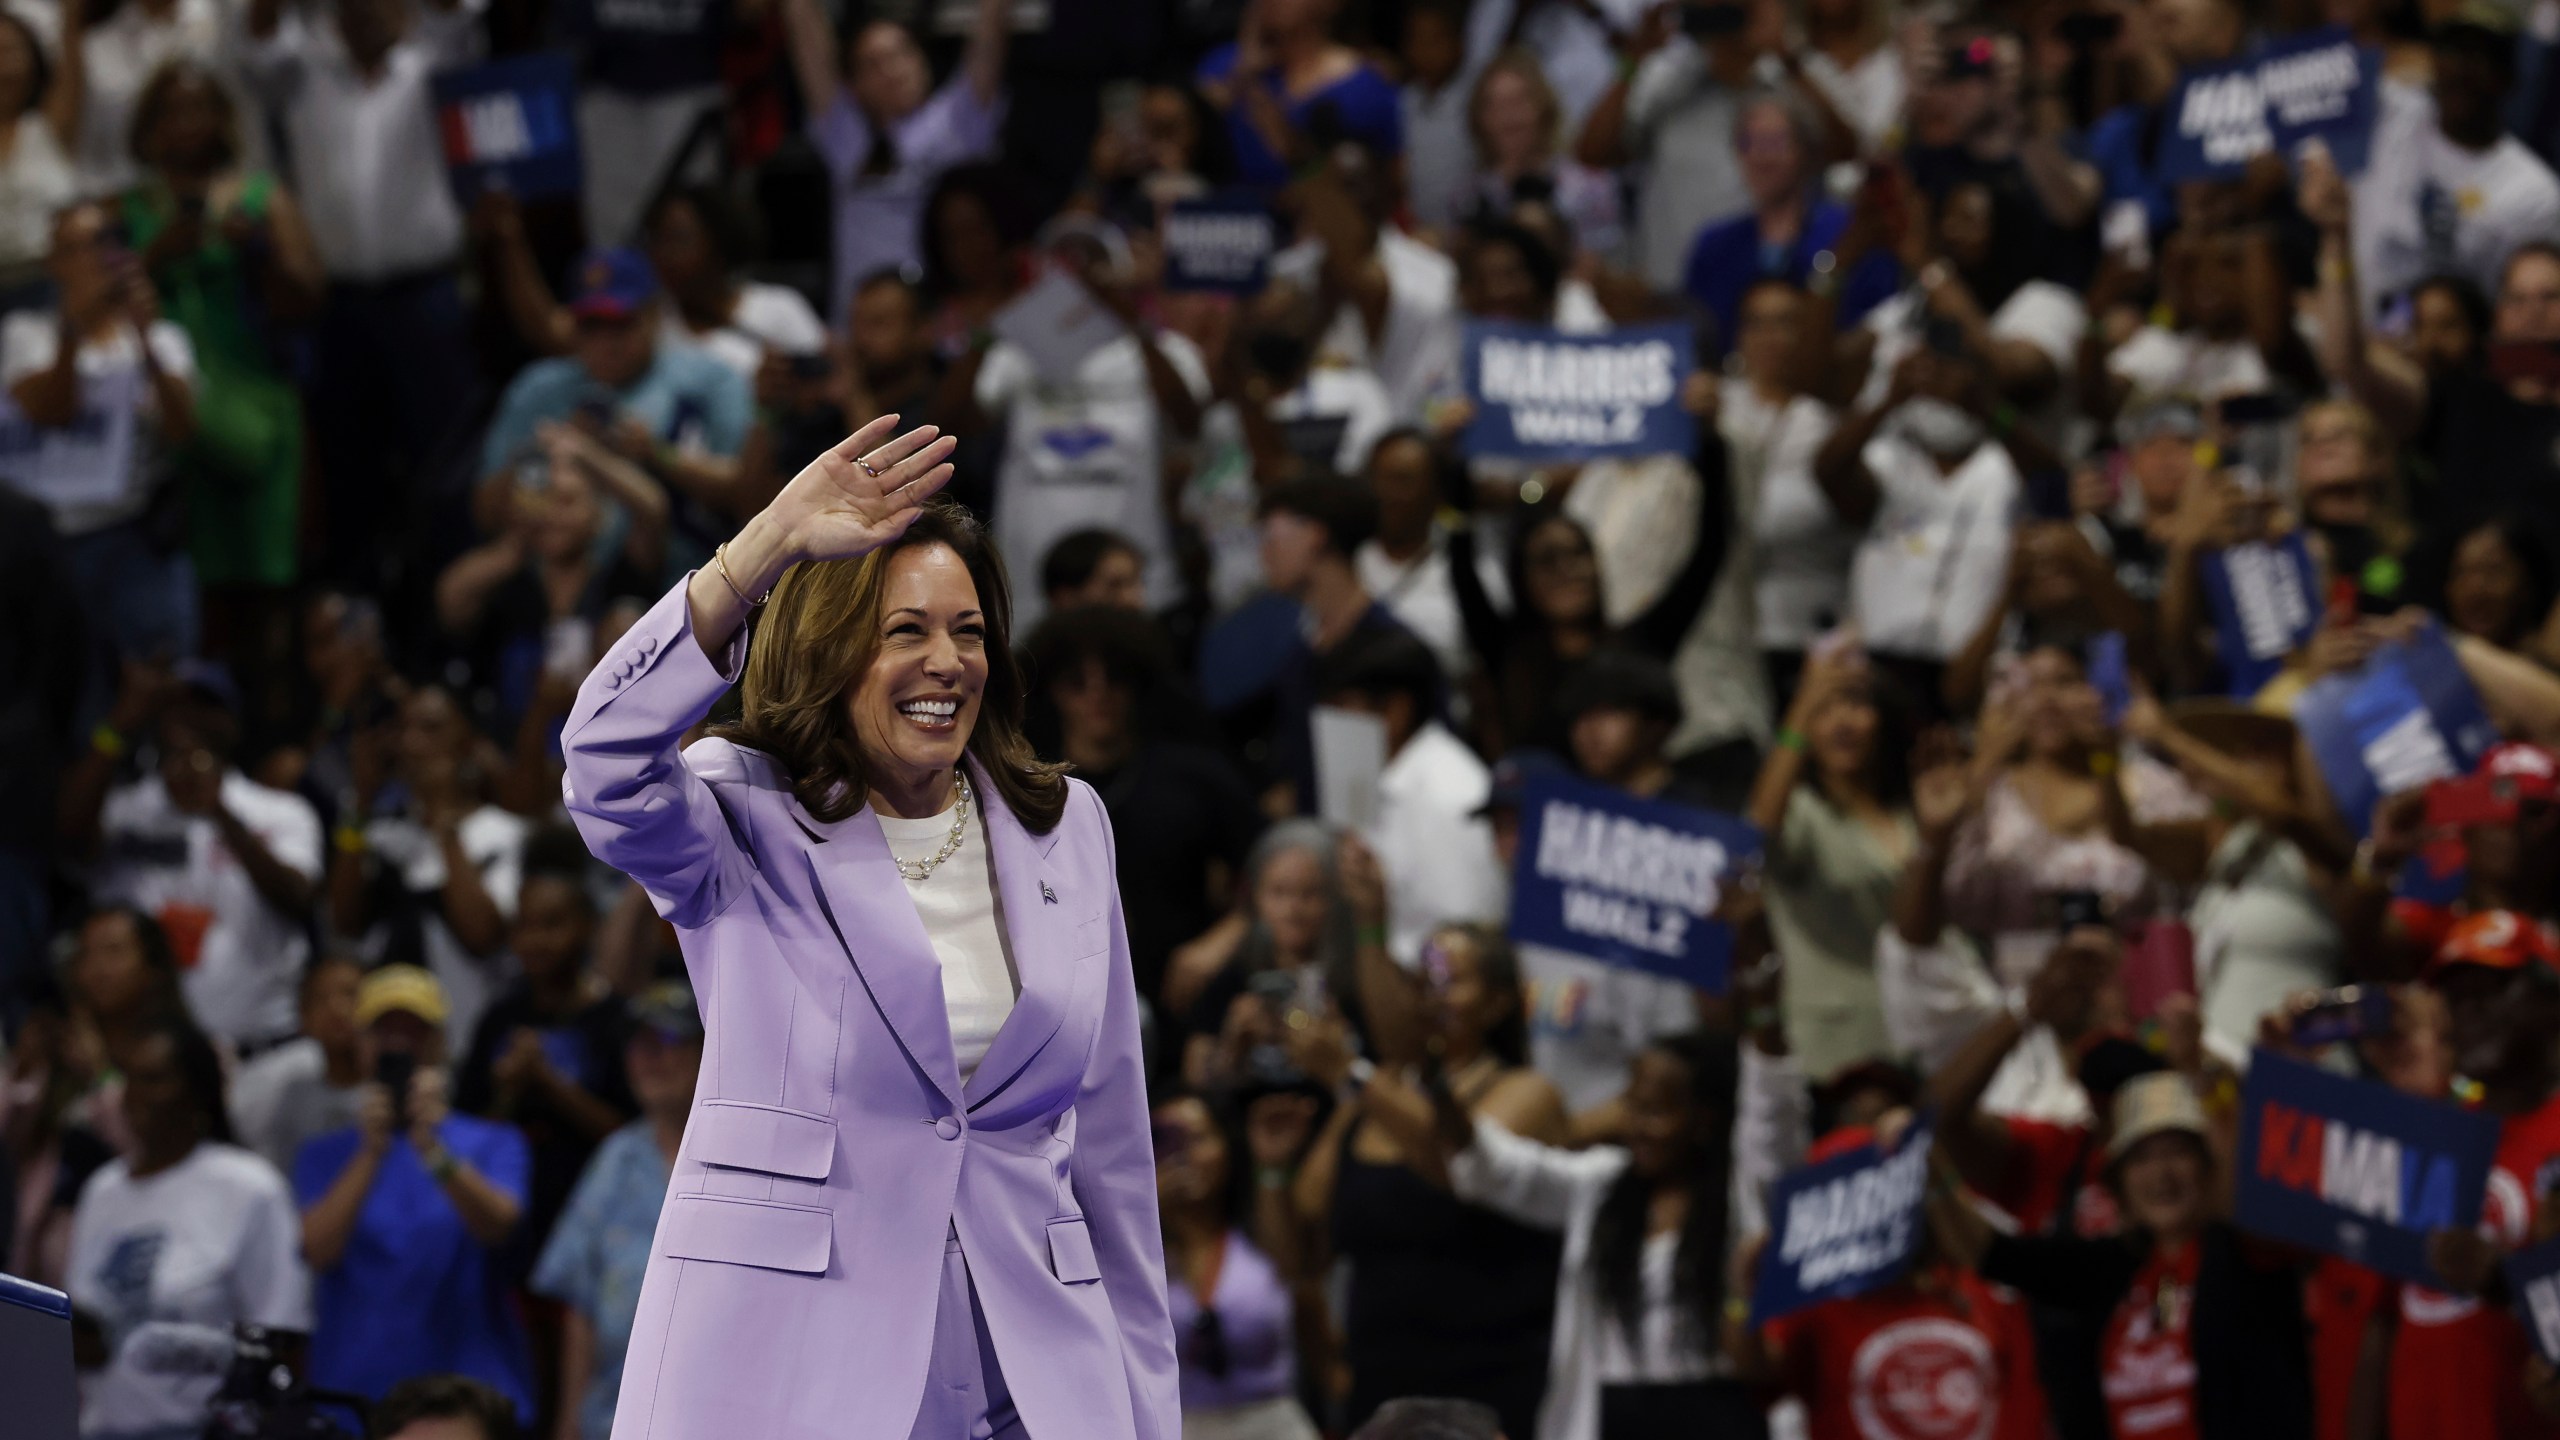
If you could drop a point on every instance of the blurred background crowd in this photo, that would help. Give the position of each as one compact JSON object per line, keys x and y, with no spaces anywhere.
{"x":321,"y":489}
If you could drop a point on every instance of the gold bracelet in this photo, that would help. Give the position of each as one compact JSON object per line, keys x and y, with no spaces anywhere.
{"x":720,"y":558}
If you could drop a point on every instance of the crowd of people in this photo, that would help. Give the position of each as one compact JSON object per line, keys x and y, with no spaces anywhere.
{"x":323,"y":484}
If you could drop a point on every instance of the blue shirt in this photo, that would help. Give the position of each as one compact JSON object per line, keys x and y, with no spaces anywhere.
{"x":687,"y":399}
{"x":598,"y":1253}
{"x":1367,"y":104}
{"x":2116,"y":145}
{"x":1728,"y":258}
{"x":414,"y":1294}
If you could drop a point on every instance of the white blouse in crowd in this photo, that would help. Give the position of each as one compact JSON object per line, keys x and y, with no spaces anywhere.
{"x":35,"y":182}
{"x":1801,"y":547}
{"x":957,"y":904}
{"x":1558,"y":1189}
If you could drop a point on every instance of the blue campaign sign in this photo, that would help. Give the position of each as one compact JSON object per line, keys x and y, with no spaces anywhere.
{"x":1222,"y":243}
{"x":1624,"y":881}
{"x":1541,"y":394}
{"x":511,"y":125}
{"x":2317,"y":86}
{"x":2533,"y":1277}
{"x":1842,"y":1227}
{"x":2354,"y":1168}
{"x":2264,"y":607}
{"x":2408,"y":717}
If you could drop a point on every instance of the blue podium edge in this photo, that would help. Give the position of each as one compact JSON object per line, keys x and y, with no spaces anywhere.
{"x":29,"y":1295}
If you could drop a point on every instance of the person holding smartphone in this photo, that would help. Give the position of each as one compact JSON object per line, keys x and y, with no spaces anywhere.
{"x":404,"y":1214}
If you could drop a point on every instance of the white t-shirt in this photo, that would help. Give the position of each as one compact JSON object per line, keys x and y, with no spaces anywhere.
{"x":1435,"y":851}
{"x":769,"y":319}
{"x":1084,"y":453}
{"x":212,"y":1240}
{"x":1802,"y":547}
{"x":1932,"y":565}
{"x":1868,"y":94}
{"x":99,"y":471}
{"x":1680,"y":122}
{"x":1348,"y":406}
{"x":1423,"y":598}
{"x":958,"y":906}
{"x":249,"y":962}
{"x":35,"y":182}
{"x":2425,"y":204}
{"x":493,"y":840}
{"x":1416,"y":352}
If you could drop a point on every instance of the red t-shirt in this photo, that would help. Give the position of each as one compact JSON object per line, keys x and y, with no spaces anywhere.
{"x":2339,"y":1301}
{"x":1934,"y":1359}
{"x":2457,"y":1366}
{"x":2048,"y":1165}
{"x":2147,"y":1359}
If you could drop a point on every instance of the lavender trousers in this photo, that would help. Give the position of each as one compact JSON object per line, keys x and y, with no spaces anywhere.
{"x":964,"y":1391}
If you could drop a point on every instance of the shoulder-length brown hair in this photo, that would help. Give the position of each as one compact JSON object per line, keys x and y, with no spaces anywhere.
{"x":815,"y":641}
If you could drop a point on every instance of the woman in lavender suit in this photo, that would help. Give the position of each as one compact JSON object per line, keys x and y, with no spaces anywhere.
{"x":916,"y":1196}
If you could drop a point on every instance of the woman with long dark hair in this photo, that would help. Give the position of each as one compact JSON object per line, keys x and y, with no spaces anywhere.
{"x":1834,"y":798}
{"x":188,"y":1228}
{"x":1447,"y":1297}
{"x":1650,"y":1228}
{"x":1230,"y":1277}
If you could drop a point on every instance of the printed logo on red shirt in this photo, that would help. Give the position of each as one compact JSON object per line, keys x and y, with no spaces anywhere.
{"x":1926,"y":1378}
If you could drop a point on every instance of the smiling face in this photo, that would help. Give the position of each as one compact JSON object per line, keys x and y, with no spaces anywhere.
{"x":1463,"y":1004}
{"x":1663,"y":1121}
{"x":1512,"y":121}
{"x":2163,"y":1180}
{"x":1841,"y":737}
{"x":2485,"y":591}
{"x":915,"y":706}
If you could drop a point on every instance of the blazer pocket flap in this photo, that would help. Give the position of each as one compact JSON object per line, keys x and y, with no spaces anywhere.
{"x":748,"y":1232}
{"x":1071,"y":1251}
{"x":761,"y":1137}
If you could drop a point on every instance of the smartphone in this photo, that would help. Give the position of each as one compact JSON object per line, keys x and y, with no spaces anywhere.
{"x":2109,"y":674}
{"x":393,"y":1072}
{"x":816,"y":365}
{"x":1708,"y":22}
{"x":1945,"y":337}
{"x":1276,"y":989}
{"x":2464,"y":802}
{"x":2073,"y":909}
{"x":2349,"y":1012}
{"x":2049,"y":495}
{"x":1121,"y":103}
{"x":2259,"y":407}
{"x":2511,"y":360}
{"x":597,"y":411}
{"x":2089,"y":29}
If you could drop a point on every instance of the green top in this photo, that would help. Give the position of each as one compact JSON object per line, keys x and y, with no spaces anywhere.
{"x":1830,"y":889}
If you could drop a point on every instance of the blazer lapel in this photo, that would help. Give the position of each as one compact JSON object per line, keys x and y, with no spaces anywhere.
{"x":1037,"y":924}
{"x":866,"y":899}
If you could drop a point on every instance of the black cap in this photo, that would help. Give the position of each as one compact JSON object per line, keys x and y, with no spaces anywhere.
{"x":666,"y":1010}
{"x":1512,"y":774}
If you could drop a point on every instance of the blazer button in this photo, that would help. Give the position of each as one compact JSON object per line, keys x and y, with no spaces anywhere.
{"x":947,"y":1128}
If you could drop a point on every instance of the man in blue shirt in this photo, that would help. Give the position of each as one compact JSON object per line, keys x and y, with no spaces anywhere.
{"x":404,"y":1213}
{"x":673,"y":411}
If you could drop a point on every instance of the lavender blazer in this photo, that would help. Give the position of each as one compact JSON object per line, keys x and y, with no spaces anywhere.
{"x":791,"y":1290}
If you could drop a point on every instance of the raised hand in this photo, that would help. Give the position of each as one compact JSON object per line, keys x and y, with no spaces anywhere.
{"x":862,"y":494}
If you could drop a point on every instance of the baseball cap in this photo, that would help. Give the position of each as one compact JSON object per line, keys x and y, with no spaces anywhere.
{"x":667,"y":1011}
{"x":404,"y":988}
{"x":2495,"y":940}
{"x":612,"y":284}
{"x":210,"y":679}
{"x":1512,"y":774}
{"x":2507,"y":777}
{"x":2171,"y":417}
{"x":1838,"y":1142}
{"x":2156,"y":1104}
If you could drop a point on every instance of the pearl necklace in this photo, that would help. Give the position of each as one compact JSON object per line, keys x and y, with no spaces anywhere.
{"x":920,"y":870}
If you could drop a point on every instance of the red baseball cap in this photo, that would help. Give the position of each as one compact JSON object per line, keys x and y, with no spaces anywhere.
{"x":1839,"y":1142}
{"x":2507,"y":777}
{"x":2496,"y":940}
